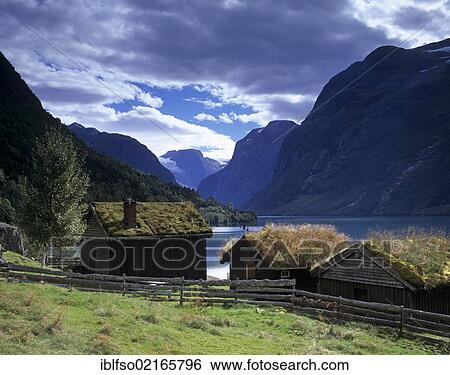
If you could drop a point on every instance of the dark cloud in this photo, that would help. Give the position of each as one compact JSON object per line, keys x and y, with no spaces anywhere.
{"x":272,"y":55}
{"x":261,"y":46}
{"x":268,"y":46}
{"x":66,"y":95}
{"x":413,"y":18}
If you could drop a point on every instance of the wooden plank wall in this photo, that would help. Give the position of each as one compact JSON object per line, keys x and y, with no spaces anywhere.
{"x":363,"y":271}
{"x":434,"y":300}
{"x":375,"y":293}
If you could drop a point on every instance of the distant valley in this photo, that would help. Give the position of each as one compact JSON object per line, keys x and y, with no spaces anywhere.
{"x":252,"y":166}
{"x":190,"y":167}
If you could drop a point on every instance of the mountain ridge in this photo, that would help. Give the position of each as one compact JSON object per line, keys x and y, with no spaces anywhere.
{"x":375,"y":143}
{"x":124,"y":149}
{"x":23,"y":119}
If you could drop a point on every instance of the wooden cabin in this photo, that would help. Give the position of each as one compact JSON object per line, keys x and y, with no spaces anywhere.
{"x":153,"y":239}
{"x":283,"y":251}
{"x":361,"y":273}
{"x":248,"y":262}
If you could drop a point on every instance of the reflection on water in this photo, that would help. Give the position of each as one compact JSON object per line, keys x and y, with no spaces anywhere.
{"x":355,"y":227}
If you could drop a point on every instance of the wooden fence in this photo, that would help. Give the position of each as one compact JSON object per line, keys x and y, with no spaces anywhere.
{"x":257,"y":292}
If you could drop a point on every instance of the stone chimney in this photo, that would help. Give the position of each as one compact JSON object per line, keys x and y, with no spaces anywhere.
{"x":129,"y":213}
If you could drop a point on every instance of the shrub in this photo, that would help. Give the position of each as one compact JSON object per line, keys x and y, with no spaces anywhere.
{"x":106,"y":329}
{"x":195,"y":322}
{"x":339,"y":333}
{"x":149,"y":317}
{"x":103,"y":345}
{"x":220,"y":322}
{"x":7,"y":211}
{"x":299,"y":328}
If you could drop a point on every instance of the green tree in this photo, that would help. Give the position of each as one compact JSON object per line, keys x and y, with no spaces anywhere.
{"x":7,"y":212}
{"x":8,"y":194}
{"x":53,"y":198}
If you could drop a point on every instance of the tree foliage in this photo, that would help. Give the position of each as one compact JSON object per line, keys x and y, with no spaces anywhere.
{"x":7,"y":212}
{"x":8,"y":197}
{"x":53,"y":198}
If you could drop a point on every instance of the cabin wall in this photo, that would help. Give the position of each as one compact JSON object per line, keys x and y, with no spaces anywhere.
{"x":246,"y":264}
{"x":95,"y":254}
{"x":435,"y":300}
{"x":303,"y":278}
{"x":244,"y":258}
{"x":358,"y":277}
{"x":149,"y":257}
{"x":366,"y":292}
{"x":361,"y":270}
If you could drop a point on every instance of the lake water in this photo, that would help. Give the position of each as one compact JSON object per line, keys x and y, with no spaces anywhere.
{"x":355,"y":227}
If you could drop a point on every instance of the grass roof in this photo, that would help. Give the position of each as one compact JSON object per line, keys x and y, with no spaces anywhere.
{"x":291,"y":246}
{"x":421,"y":257}
{"x":153,"y":219}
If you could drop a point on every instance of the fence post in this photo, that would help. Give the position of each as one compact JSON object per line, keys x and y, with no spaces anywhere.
{"x":181,"y":291}
{"x":339,"y":308}
{"x":402,"y":318}
{"x":124,"y":285}
{"x":70,"y":281}
{"x":293,"y":295}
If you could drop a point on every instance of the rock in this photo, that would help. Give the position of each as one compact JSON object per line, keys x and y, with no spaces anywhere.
{"x":252,"y":166}
{"x":376,"y":143}
{"x":10,"y":238}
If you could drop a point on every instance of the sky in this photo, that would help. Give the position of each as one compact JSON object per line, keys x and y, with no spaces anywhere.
{"x":199,"y":73}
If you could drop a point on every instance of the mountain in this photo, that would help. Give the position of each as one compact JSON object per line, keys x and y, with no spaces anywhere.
{"x":251,"y":167}
{"x":376,"y":142}
{"x":124,"y":149}
{"x":23,"y":119}
{"x":189,"y":166}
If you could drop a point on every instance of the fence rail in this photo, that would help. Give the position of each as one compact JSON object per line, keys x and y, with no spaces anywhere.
{"x":256,"y":292}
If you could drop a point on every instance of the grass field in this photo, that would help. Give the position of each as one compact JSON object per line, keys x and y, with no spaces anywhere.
{"x":44,"y":319}
{"x":21,"y":260}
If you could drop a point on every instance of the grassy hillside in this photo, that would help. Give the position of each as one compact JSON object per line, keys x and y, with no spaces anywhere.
{"x":16,"y":258}
{"x":42,"y":319}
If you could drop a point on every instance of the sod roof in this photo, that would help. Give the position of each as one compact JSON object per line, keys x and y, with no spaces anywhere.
{"x":153,"y":219}
{"x":293,"y":246}
{"x":421,"y":258}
